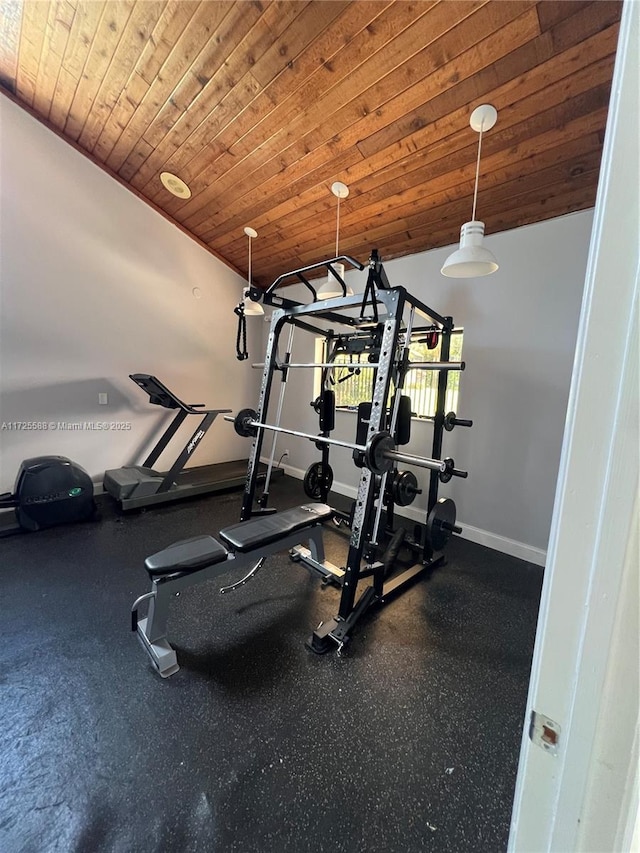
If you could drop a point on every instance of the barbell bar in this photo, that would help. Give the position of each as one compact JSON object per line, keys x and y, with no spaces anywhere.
{"x":353,"y":364}
{"x":411,"y":365}
{"x":379,"y":452}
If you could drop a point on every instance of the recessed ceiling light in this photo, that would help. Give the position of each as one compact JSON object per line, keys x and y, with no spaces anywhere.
{"x":175,"y":185}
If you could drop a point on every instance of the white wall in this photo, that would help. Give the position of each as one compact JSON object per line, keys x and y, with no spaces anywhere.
{"x":520,"y":331}
{"x":95,"y":285}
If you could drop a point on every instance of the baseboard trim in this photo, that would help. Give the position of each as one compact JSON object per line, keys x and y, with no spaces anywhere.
{"x":512,"y":547}
{"x":503,"y":544}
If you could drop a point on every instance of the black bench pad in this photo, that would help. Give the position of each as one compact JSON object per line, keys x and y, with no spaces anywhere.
{"x":265,"y":529}
{"x":188,"y":555}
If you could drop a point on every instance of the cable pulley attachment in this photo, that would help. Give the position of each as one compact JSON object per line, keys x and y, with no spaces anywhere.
{"x":241,"y":336}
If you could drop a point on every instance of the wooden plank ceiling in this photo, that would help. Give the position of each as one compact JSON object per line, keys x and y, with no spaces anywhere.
{"x":260,"y":105}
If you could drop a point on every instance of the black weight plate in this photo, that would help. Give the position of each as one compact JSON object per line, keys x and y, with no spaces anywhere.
{"x":439,"y":521}
{"x":375,"y":452}
{"x":446,"y":475}
{"x":404,"y":488}
{"x":328,"y":477}
{"x":313,"y":480}
{"x":241,"y":423}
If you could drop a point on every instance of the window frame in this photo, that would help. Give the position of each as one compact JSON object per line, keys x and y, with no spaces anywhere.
{"x":429,"y":392}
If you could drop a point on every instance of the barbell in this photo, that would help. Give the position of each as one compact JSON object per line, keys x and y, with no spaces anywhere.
{"x":379,"y":452}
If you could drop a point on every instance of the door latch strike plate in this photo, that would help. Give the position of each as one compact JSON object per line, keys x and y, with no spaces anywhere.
{"x":544,"y":732}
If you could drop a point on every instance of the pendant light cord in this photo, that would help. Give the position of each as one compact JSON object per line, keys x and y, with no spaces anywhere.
{"x":337,"y":225}
{"x":475,"y":189}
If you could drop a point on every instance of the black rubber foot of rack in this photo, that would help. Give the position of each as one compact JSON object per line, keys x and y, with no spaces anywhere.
{"x":318,"y":646}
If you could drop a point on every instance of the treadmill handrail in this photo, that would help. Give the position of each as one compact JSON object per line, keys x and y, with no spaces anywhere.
{"x":159,"y":389}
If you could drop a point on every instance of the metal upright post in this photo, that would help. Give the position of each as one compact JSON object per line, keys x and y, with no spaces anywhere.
{"x":438,"y":420}
{"x":264,"y":499}
{"x":277,"y":322}
{"x":394,"y":301}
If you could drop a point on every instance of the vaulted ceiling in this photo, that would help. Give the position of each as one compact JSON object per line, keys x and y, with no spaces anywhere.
{"x":261,"y":105}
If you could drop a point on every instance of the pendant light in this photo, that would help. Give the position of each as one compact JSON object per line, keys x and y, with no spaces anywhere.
{"x":251,"y":308}
{"x":473,"y":259}
{"x":332,"y":286}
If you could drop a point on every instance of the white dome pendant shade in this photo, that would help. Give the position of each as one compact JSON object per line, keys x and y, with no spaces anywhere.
{"x":332,"y":286}
{"x":251,"y":308}
{"x":473,"y":259}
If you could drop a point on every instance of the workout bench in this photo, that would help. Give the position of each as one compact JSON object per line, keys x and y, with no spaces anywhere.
{"x":203,"y":558}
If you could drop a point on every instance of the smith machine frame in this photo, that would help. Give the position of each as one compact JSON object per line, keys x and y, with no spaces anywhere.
{"x":381,"y":309}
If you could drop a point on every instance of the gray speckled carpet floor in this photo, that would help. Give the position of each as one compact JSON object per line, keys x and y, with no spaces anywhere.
{"x":408,"y":741}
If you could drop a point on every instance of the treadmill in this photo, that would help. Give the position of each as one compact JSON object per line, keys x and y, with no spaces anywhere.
{"x":135,"y":486}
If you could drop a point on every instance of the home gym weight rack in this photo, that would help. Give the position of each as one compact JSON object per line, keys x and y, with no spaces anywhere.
{"x":261,"y":531}
{"x":380,"y":308}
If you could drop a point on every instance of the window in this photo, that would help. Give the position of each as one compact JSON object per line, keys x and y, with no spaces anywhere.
{"x":353,"y":379}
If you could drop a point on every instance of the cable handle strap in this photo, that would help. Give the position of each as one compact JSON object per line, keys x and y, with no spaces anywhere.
{"x":241,"y":336}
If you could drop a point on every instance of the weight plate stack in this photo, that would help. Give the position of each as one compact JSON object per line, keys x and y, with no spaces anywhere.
{"x":404,"y":488}
{"x":374,"y":454}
